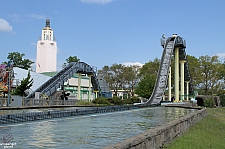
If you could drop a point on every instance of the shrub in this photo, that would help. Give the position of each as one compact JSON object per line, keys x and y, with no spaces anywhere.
{"x":101,"y":100}
{"x":132,"y":100}
{"x":128,"y":101}
{"x":222,"y":100}
{"x":135,"y":99}
{"x":209,"y":102}
{"x":83,"y":103}
{"x":116,"y":101}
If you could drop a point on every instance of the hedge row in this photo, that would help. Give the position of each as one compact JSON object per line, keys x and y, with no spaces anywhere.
{"x":115,"y":101}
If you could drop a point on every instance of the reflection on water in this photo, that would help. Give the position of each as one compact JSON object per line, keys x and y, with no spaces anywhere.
{"x":90,"y":131}
{"x":42,"y":134}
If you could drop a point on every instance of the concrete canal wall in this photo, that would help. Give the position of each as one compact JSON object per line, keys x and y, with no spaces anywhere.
{"x":161,"y":135}
{"x":33,"y":116}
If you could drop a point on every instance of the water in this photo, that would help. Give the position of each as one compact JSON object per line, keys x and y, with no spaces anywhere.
{"x":90,"y":131}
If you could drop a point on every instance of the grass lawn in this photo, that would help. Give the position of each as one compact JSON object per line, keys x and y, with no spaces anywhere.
{"x":209,"y":133}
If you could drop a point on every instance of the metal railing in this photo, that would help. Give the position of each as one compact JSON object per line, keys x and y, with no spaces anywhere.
{"x":40,"y":102}
{"x":3,"y":102}
{"x":46,"y":102}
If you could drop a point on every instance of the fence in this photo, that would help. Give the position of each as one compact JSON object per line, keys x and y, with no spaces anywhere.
{"x":46,"y":102}
{"x":40,"y":102}
{"x":3,"y":102}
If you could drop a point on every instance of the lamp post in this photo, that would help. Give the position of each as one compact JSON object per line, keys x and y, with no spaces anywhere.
{"x":10,"y":70}
{"x":63,"y":93}
{"x":62,"y":88}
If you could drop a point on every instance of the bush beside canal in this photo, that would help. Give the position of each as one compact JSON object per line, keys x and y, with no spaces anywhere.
{"x":209,"y":102}
{"x":115,"y":101}
{"x":108,"y":101}
{"x":222,"y":100}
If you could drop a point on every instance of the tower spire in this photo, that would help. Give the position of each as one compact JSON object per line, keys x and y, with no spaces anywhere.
{"x":47,"y":23}
{"x":47,"y":32}
{"x":46,"y":50}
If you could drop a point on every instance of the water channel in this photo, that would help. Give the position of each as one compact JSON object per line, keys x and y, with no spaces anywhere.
{"x":89,"y":131}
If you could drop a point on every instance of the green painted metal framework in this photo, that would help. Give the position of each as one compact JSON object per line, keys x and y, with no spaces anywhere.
{"x":51,"y":86}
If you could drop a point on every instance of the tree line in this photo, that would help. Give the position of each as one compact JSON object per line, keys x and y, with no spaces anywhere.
{"x":207,"y":76}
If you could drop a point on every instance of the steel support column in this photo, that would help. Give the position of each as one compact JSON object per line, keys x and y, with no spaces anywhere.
{"x":182,"y":78}
{"x":176,"y":80}
{"x":89,"y":88}
{"x":169,"y":85}
{"x":187,"y":89}
{"x":8,"y":101}
{"x":79,"y":85}
{"x":96,"y":94}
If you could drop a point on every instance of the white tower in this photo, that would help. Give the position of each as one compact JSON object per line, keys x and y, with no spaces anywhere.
{"x":46,"y":51}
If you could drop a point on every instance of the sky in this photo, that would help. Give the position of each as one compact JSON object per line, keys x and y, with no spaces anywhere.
{"x":105,"y":32}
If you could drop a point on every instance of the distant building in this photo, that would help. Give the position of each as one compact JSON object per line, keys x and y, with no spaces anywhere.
{"x":71,"y":85}
{"x":20,"y":74}
{"x":123,"y":94}
{"x":46,"y":58}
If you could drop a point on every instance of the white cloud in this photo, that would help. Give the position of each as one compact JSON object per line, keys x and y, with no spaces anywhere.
{"x":15,"y":17}
{"x":96,"y":1}
{"x":221,"y":55}
{"x":5,"y":26}
{"x":37,"y":16}
{"x":132,"y":63}
{"x":33,"y":43}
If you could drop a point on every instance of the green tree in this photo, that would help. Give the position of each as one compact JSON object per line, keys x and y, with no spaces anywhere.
{"x":145,"y":86}
{"x":131,"y":77}
{"x":19,"y":61}
{"x":148,"y":74}
{"x":208,"y":74}
{"x":71,"y":59}
{"x":193,"y":66}
{"x":106,"y":74}
{"x":114,"y":76}
{"x":119,"y":76}
{"x":25,"y":84}
{"x":222,"y":75}
{"x":150,"y":68}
